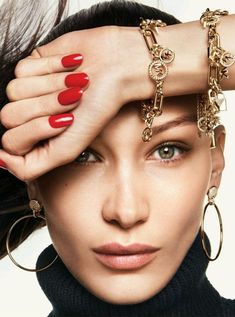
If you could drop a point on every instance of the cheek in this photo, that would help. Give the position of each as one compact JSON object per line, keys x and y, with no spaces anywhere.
{"x":179,"y":194}
{"x":71,"y":203}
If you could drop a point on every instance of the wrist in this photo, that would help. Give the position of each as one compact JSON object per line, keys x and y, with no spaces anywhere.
{"x":187,"y":73}
{"x":135,"y":58}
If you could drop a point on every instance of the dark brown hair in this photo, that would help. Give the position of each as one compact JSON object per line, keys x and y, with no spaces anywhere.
{"x":15,"y":46}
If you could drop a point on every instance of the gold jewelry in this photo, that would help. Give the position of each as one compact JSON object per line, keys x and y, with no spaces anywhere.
{"x":219,"y":60}
{"x":36,"y":208}
{"x":157,"y":71}
{"x":211,"y":196}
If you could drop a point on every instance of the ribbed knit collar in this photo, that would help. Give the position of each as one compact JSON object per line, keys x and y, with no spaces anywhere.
{"x":188,"y":294}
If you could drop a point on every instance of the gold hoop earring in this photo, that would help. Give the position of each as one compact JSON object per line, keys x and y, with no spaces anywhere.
{"x":211,"y":196}
{"x":36,"y":208}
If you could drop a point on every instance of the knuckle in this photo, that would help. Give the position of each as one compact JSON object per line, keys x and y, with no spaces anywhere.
{"x":11,"y":90}
{"x":55,"y":80}
{"x":42,"y":107}
{"x":10,"y":144}
{"x":20,"y":68}
{"x":50,"y":65}
{"x":6,"y":118}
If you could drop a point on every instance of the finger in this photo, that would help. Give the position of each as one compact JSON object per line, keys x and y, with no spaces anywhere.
{"x":63,"y":148}
{"x":20,"y":140}
{"x":36,"y":66}
{"x":66,"y":43}
{"x":29,"y":87}
{"x":19,"y":112}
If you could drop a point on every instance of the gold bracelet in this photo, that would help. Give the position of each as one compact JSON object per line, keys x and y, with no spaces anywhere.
{"x":219,"y":60}
{"x":157,"y":71}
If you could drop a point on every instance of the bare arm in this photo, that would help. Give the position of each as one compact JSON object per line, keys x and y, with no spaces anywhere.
{"x":116,"y":60}
{"x":188,"y":72}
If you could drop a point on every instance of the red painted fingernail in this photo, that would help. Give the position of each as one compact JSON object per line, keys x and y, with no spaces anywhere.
{"x":61,"y":120}
{"x":69,"y":96}
{"x":72,"y":60}
{"x":76,"y":80}
{"x":3,"y":165}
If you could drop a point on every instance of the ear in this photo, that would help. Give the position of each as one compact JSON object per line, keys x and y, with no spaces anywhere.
{"x":217,"y":157}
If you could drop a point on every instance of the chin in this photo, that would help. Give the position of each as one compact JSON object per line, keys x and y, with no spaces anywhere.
{"x":125,"y":295}
{"x":132,"y":299}
{"x":120,"y":299}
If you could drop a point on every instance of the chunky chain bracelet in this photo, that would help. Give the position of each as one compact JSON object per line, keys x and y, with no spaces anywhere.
{"x":157,"y":71}
{"x":219,"y":60}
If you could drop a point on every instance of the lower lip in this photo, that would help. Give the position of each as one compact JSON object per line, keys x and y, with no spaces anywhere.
{"x":125,"y":262}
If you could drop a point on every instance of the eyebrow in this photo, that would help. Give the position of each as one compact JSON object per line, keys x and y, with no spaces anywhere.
{"x":179,"y":121}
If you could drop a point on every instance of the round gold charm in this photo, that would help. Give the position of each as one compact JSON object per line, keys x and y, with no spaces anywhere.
{"x":35,"y":206}
{"x":158,"y":70}
{"x":202,"y":125}
{"x":167,"y":55}
{"x":227,"y":59}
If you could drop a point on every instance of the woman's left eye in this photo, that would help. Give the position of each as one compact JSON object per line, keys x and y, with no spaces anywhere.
{"x":168,"y":152}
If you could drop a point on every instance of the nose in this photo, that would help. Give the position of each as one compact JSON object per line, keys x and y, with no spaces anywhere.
{"x":127,"y":203}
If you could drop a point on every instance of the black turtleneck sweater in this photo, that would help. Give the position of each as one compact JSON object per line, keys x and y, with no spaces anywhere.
{"x":188,"y":294}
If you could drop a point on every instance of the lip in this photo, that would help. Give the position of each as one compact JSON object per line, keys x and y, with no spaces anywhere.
{"x":117,"y":256}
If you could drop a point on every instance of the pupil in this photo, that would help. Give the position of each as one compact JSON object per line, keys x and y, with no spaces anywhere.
{"x":83,"y":157}
{"x":166,"y":152}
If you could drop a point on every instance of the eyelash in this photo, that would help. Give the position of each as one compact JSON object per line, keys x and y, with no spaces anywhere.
{"x":176,"y":145}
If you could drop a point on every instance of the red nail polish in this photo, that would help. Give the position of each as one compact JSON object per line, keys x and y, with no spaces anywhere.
{"x":69,"y":96}
{"x":61,"y":120}
{"x":3,"y":165}
{"x":76,"y":80}
{"x":72,"y":60}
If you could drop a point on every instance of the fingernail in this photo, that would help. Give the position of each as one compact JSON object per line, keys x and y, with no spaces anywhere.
{"x":76,"y":80}
{"x":72,"y":60}
{"x":3,"y":165}
{"x":61,"y":120}
{"x":69,"y":96}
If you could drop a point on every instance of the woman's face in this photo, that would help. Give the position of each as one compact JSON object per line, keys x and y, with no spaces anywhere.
{"x":124,"y":191}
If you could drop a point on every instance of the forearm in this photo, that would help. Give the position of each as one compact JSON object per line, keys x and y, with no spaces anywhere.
{"x":189,"y":70}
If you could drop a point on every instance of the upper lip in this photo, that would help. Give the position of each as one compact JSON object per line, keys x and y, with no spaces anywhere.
{"x":118,"y":249}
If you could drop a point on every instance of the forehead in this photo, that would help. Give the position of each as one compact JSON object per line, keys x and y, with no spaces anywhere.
{"x":129,"y":116}
{"x":171,"y":106}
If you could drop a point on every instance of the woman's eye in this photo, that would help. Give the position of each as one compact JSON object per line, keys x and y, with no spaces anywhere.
{"x":86,"y":157}
{"x":168,"y":152}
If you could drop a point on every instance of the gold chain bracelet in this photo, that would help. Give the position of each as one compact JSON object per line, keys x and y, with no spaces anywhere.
{"x":219,"y":60}
{"x":157,"y":71}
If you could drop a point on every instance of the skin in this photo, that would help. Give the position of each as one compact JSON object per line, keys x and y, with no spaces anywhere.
{"x":129,"y":193}
{"x":115,"y":78}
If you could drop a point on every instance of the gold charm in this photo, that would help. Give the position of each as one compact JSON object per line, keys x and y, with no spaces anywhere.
{"x":227,"y":59}
{"x":167,"y":55}
{"x":210,"y":104}
{"x":157,"y":71}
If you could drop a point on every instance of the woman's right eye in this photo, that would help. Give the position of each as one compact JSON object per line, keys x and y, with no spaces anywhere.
{"x":86,"y":156}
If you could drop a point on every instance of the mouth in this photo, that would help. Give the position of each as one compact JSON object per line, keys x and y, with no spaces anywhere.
{"x":134,"y":256}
